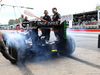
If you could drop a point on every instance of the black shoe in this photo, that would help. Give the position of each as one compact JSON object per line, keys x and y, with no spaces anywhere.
{"x":13,"y":61}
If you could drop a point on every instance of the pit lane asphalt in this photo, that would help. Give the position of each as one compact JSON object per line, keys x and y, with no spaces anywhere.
{"x":84,"y":61}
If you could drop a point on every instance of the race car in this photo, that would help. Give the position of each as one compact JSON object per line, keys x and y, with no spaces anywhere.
{"x":21,"y":45}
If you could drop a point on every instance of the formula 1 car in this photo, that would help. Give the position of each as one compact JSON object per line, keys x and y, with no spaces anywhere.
{"x":22,"y":45}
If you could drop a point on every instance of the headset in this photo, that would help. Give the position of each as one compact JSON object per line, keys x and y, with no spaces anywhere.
{"x":55,"y":9}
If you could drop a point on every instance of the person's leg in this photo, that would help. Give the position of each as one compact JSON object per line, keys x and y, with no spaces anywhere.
{"x":47,"y":34}
{"x":4,"y":51}
{"x":56,"y":32}
{"x":43,"y":31}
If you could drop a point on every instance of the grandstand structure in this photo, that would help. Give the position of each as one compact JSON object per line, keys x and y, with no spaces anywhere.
{"x":85,"y":20}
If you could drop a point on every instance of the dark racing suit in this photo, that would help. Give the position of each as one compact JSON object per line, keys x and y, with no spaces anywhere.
{"x":46,"y":32}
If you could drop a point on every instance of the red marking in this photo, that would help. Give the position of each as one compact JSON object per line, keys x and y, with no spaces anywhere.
{"x":77,"y":30}
{"x":22,"y":30}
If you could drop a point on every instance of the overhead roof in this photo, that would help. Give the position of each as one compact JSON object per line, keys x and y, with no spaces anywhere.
{"x":86,"y":13}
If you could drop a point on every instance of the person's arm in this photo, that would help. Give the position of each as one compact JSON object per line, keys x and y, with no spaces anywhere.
{"x":49,"y":18}
{"x":59,"y":17}
{"x":42,"y":19}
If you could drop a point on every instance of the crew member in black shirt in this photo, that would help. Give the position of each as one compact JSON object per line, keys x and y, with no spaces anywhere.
{"x":33,"y":32}
{"x":46,"y":32}
{"x":56,"y":17}
{"x":26,"y":21}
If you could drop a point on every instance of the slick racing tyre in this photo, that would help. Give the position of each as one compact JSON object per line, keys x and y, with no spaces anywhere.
{"x":13,"y":52}
{"x":67,"y":47}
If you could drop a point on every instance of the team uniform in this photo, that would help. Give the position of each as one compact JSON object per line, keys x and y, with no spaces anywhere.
{"x":46,"y":32}
{"x":26,"y":21}
{"x":55,"y":18}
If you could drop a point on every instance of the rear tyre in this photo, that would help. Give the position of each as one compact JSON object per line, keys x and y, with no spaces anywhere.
{"x":13,"y":52}
{"x":67,"y":47}
{"x":54,"y":54}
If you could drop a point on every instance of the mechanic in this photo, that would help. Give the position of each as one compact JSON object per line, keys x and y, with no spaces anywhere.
{"x":33,"y":32}
{"x":26,"y":19}
{"x":4,"y":52}
{"x":46,"y":32}
{"x":56,"y":17}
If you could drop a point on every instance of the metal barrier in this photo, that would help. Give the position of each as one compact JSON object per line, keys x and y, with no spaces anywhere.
{"x":99,"y":41}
